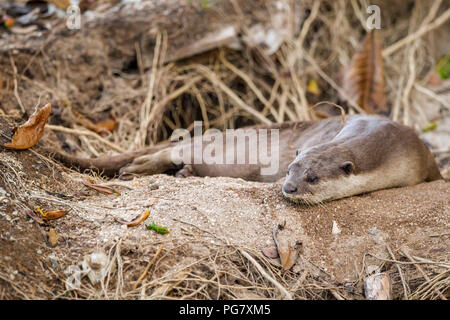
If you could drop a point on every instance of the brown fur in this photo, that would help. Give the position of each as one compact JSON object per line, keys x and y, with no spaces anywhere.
{"x":369,"y":141}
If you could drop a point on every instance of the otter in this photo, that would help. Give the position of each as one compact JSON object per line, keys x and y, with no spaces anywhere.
{"x":369,"y":153}
{"x":324,"y":160}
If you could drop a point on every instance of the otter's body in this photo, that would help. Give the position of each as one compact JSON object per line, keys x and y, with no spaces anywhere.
{"x":335,"y":159}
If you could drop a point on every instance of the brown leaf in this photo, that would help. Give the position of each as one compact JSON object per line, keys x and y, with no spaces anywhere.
{"x":137,"y":220}
{"x":270,"y":252}
{"x":364,"y":78}
{"x":98,"y":127}
{"x":33,"y":216}
{"x":288,"y":253}
{"x":62,"y":4}
{"x":53,"y":237}
{"x":52,"y":215}
{"x":28,"y":134}
{"x":100,"y":188}
{"x":107,"y":125}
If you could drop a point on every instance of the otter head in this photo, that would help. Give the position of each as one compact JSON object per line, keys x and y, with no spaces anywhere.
{"x":320,"y":173}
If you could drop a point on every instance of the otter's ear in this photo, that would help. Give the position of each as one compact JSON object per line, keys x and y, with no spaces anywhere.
{"x":297,"y":152}
{"x":347,"y":167}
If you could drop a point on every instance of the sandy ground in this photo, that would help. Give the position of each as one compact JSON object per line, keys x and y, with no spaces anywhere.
{"x":203,"y":213}
{"x":244,"y":213}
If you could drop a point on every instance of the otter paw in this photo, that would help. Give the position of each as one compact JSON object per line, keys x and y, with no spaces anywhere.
{"x":140,"y":166}
{"x":186,"y":171}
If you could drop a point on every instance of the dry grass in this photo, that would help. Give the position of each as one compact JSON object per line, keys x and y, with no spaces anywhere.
{"x":228,"y":89}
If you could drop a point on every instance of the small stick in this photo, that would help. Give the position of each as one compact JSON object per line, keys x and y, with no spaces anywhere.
{"x":287,"y":295}
{"x":400,"y":273}
{"x":148,"y":267}
{"x":440,"y":151}
{"x":336,"y":294}
{"x":85,"y":133}
{"x":211,"y":76}
{"x":423,"y":273}
{"x":432,"y":95}
{"x":16,"y":90}
{"x":333,"y":84}
{"x":419,"y":33}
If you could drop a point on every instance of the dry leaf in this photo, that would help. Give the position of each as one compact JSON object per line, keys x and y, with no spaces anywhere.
{"x":98,"y":127}
{"x":52,"y":215}
{"x":288,"y":253}
{"x":107,"y":125}
{"x":100,"y":188}
{"x":270,"y":252}
{"x":53,"y":237}
{"x":313,"y":87}
{"x":137,"y":220}
{"x":62,"y":4}
{"x":29,"y":134}
{"x":49,"y":215}
{"x":364,"y":78}
{"x":33,"y":216}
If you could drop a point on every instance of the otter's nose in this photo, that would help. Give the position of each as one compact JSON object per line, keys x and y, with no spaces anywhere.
{"x":289,"y":188}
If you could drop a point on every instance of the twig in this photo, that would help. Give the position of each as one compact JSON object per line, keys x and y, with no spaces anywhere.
{"x":432,"y":95}
{"x":422,"y":272}
{"x":85,"y":133}
{"x":419,"y":33}
{"x":333,"y":84}
{"x":148,"y":267}
{"x":440,"y":151}
{"x":16,"y":90}
{"x":206,"y":231}
{"x":213,"y":78}
{"x":286,"y":294}
{"x":145,"y":111}
{"x":336,"y":294}
{"x":400,"y":273}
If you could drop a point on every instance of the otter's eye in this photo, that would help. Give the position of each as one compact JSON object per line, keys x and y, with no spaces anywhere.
{"x":312,"y":179}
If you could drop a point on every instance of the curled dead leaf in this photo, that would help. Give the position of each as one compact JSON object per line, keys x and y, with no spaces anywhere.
{"x":29,"y":134}
{"x":33,"y":216}
{"x":270,"y":252}
{"x":98,"y":127}
{"x":287,"y":251}
{"x":102,"y":189}
{"x":288,"y":255}
{"x":49,"y":215}
{"x":137,"y":220}
{"x":53,"y":215}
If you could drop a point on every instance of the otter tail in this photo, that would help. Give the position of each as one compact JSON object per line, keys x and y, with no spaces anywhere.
{"x":107,"y":165}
